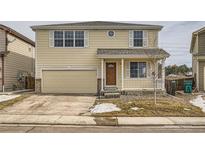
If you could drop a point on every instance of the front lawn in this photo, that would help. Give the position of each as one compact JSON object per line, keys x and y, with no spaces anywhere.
{"x":145,"y":107}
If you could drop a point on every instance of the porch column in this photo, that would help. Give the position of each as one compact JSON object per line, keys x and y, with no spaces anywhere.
{"x":122,"y":73}
{"x":163,"y":74}
{"x":102,"y":74}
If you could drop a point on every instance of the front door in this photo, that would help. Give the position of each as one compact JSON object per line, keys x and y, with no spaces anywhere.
{"x":110,"y":74}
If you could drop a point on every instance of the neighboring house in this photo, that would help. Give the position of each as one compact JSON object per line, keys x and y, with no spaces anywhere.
{"x":198,"y":57}
{"x":17,"y":59}
{"x":91,"y":57}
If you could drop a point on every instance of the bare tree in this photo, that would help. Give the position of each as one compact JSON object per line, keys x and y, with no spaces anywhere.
{"x":155,"y":74}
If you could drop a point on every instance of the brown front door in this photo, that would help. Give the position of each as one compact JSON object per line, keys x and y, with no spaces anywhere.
{"x":110,"y":74}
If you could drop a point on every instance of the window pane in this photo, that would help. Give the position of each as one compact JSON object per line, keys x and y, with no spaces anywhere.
{"x":138,"y":34}
{"x":79,"y":34}
{"x":69,"y":35}
{"x":79,"y":43}
{"x":142,"y":70}
{"x":138,"y":42}
{"x":69,"y":43}
{"x":134,"y":69}
{"x":58,"y":35}
{"x":58,"y":43}
{"x":58,"y":38}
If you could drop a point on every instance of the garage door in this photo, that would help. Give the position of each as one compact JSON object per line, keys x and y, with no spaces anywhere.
{"x":69,"y":81}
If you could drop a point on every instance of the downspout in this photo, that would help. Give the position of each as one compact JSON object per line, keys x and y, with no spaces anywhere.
{"x":2,"y":62}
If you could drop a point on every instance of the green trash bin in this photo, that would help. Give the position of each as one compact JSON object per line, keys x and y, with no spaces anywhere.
{"x":187,"y":86}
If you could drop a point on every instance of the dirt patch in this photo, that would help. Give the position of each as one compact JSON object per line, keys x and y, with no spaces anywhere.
{"x":165,"y":107}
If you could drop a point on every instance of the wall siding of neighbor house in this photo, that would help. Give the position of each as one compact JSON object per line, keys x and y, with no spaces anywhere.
{"x":19,"y":59}
{"x":53,"y":58}
{"x":2,"y":40}
{"x":2,"y":48}
{"x":201,"y":75}
{"x":201,"y":45}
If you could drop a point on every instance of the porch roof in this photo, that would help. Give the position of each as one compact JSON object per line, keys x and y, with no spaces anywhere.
{"x":132,"y":53}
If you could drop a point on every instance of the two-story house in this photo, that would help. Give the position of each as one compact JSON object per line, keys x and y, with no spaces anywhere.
{"x":91,"y":57}
{"x":197,"y":50}
{"x":16,"y":59}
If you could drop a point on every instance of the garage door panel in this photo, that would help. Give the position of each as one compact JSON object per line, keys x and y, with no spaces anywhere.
{"x":69,"y":82}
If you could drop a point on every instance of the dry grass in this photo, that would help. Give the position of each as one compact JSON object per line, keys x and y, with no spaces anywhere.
{"x":13,"y":101}
{"x":166,"y":106}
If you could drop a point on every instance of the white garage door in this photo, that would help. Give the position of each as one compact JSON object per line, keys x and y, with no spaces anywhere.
{"x":77,"y":81}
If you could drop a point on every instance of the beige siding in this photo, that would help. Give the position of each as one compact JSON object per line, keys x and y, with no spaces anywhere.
{"x":69,"y":82}
{"x":202,"y":43}
{"x":201,"y":75}
{"x":195,"y":48}
{"x":194,"y":65}
{"x":20,"y":59}
{"x":2,"y":40}
{"x":153,"y":38}
{"x":130,"y":83}
{"x":48,"y":57}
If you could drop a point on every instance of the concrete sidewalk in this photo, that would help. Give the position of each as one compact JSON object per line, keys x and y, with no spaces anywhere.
{"x":99,"y":121}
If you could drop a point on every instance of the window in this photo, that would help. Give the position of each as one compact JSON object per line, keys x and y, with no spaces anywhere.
{"x":58,"y":38}
{"x":138,"y":70}
{"x":79,"y":38}
{"x":111,"y":33}
{"x":69,"y":39}
{"x":138,"y":38}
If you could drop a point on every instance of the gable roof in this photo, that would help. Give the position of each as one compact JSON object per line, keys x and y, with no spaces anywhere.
{"x":194,"y":35}
{"x":97,"y":25}
{"x":17,"y":34}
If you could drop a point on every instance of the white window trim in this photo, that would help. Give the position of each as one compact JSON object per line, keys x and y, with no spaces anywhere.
{"x":143,"y":46}
{"x":137,"y":78}
{"x":64,"y":39}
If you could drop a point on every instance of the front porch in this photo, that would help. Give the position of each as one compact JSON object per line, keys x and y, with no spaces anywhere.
{"x":131,"y":73}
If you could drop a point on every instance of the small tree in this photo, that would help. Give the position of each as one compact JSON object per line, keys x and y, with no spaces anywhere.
{"x":155,"y":73}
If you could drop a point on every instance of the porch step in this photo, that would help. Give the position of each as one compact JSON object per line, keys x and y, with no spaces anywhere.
{"x":112,"y":95}
{"x":111,"y":92}
{"x":111,"y":89}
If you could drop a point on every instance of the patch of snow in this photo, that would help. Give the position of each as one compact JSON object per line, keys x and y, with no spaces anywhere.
{"x":135,"y":108}
{"x":105,"y":107}
{"x":199,"y":101}
{"x":186,"y":109}
{"x":7,"y":97}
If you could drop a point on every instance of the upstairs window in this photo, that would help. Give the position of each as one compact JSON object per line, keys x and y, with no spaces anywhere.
{"x":58,"y":38}
{"x":69,"y":39}
{"x":79,"y":38}
{"x":138,"y":39}
{"x":138,"y":70}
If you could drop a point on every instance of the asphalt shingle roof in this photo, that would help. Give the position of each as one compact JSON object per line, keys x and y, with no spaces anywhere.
{"x":155,"y":52}
{"x":98,"y":25}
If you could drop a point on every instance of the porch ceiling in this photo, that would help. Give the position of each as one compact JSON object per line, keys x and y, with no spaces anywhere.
{"x":132,"y":53}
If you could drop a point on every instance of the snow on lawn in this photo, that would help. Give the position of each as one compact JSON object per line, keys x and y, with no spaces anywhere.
{"x":105,"y":107}
{"x":7,"y":97}
{"x":199,"y":101}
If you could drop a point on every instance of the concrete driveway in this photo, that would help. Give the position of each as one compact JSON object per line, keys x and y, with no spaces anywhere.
{"x":51,"y":105}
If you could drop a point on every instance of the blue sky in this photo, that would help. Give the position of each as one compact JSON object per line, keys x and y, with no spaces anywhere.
{"x":175,"y":37}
